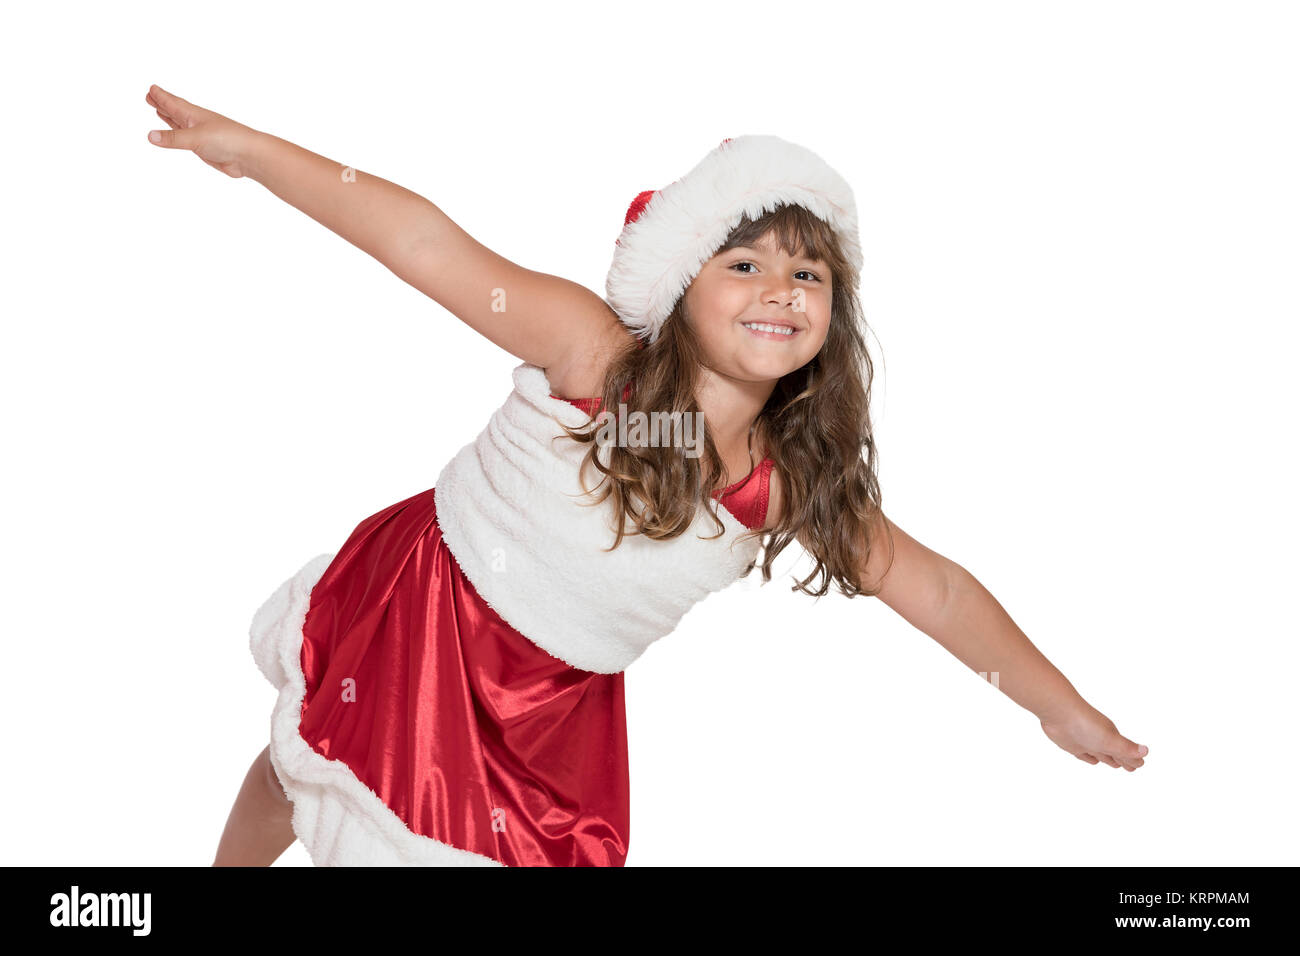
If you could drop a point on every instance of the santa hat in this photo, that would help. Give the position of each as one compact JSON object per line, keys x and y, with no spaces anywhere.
{"x":670,"y":233}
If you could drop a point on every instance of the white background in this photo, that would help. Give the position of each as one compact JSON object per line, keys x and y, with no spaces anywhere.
{"x":1079,"y":226}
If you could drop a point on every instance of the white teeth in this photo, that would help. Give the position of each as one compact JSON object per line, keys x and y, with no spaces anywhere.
{"x":762,"y":327}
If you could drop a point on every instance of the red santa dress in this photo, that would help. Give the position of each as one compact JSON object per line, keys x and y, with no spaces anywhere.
{"x":416,"y":726}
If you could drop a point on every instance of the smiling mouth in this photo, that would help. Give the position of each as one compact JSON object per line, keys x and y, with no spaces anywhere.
{"x":771,"y":330}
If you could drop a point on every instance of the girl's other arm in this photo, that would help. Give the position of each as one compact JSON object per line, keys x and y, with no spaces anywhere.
{"x":945,"y":601}
{"x":542,"y":319}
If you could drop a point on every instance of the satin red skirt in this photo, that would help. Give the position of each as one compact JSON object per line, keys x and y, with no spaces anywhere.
{"x":470,"y":733}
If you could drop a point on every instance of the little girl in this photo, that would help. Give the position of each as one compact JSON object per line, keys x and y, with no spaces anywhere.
{"x":451,"y":680}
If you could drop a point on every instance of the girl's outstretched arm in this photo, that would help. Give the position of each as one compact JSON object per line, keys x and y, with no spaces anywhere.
{"x":543,"y":319}
{"x":944,"y":600}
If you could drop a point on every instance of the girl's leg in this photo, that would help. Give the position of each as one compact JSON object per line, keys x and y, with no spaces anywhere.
{"x":258,"y":829}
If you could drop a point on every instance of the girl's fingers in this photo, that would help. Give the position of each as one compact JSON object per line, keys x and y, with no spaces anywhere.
{"x":157,"y":100}
{"x":1119,"y":752}
{"x":182,"y":113}
{"x":170,"y":110}
{"x":1131,"y":756}
{"x":171,"y":138}
{"x":173,"y":106}
{"x":1126,"y":749}
{"x":1129,"y":753}
{"x":167,"y":118}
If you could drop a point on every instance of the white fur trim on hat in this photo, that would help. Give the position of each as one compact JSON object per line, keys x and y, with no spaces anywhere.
{"x":660,"y":252}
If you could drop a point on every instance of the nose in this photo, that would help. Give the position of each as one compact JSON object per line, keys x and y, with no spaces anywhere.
{"x":775,"y":295}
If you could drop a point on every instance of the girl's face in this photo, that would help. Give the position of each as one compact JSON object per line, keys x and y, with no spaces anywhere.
{"x":740,"y":287}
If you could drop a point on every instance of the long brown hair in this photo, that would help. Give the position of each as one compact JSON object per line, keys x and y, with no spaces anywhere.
{"x":816,"y":424}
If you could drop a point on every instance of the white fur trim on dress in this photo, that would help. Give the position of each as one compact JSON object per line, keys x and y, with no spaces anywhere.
{"x":513,"y":515}
{"x":339,"y":820}
{"x":659,"y":254}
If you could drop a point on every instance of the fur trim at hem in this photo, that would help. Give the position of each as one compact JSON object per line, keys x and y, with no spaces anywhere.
{"x":339,"y":820}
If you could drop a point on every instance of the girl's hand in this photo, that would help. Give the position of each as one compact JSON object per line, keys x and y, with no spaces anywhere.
{"x":1088,"y":734}
{"x":220,"y":142}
